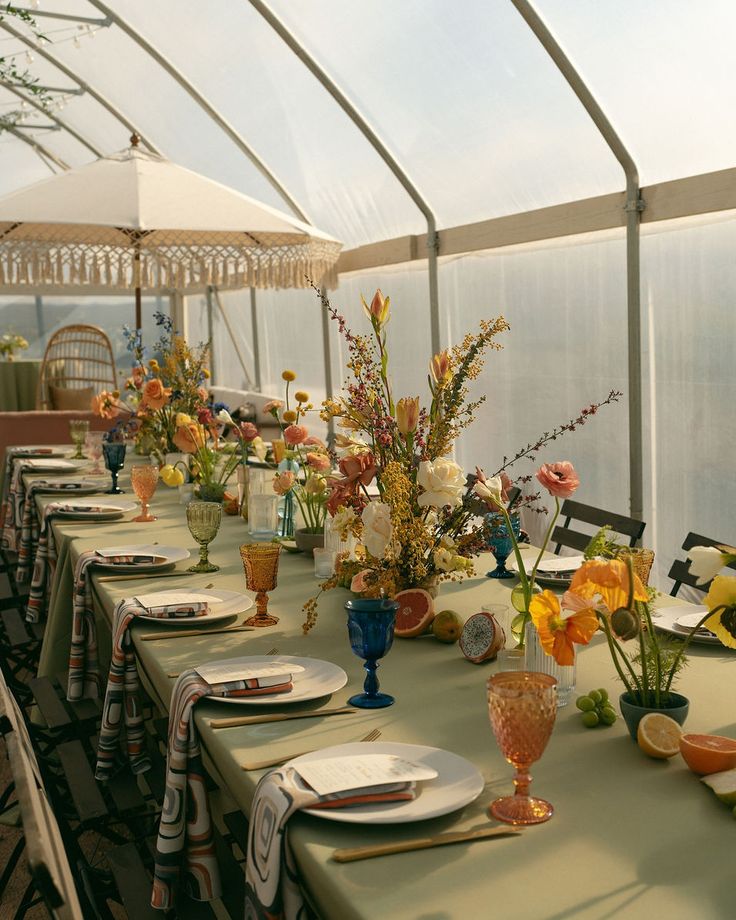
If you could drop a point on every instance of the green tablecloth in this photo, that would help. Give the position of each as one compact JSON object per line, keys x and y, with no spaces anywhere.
{"x":18,"y":382}
{"x":630,"y":836}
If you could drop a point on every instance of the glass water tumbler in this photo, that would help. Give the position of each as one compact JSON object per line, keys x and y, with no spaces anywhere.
{"x":536,"y":659}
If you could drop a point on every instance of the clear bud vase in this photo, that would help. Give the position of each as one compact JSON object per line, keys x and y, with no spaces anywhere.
{"x":536,"y":659}
{"x":243,"y":490}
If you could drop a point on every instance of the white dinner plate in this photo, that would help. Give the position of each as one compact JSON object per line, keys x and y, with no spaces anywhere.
{"x":672,"y":619}
{"x":224,"y":604}
{"x":170,"y":554}
{"x":85,"y":488}
{"x":110,"y":510}
{"x":457,"y":784}
{"x":547,"y":575}
{"x":52,"y":465}
{"x":319,"y":678}
{"x":36,"y":451}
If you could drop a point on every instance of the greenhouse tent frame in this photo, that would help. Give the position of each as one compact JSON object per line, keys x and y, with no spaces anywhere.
{"x":704,"y":193}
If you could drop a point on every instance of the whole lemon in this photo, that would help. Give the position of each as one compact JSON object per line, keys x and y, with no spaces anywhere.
{"x":447,"y":626}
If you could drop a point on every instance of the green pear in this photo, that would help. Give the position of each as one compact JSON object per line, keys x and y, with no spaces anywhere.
{"x":723,"y":784}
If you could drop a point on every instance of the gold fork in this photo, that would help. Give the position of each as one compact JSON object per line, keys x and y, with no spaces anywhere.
{"x":278,"y":761}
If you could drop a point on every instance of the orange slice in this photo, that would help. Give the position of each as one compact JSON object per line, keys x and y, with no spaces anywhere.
{"x":708,"y":753}
{"x":659,"y":735}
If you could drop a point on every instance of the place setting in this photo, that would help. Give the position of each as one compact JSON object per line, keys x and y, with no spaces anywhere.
{"x":553,"y":571}
{"x":94,"y":510}
{"x":679,"y":619}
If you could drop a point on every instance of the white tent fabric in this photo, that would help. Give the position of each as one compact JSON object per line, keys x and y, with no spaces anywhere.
{"x":472,"y":108}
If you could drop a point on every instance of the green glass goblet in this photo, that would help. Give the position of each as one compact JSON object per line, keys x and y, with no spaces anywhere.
{"x":203,"y":519}
{"x":78,"y":430}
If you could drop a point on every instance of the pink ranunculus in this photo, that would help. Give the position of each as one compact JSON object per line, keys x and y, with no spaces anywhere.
{"x":315,"y":442}
{"x":559,"y":479}
{"x":359,"y":467}
{"x":318,"y":462}
{"x":343,"y":492}
{"x":248,"y":431}
{"x":273,"y":405}
{"x":284,"y":482}
{"x":295,"y":434}
{"x":359,"y":584}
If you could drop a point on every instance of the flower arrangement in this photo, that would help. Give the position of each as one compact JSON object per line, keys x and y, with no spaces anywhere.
{"x":307,"y":460}
{"x":422,"y":527}
{"x":166,"y":386}
{"x":605,"y":594}
{"x":10,"y":343}
{"x":213,"y":460}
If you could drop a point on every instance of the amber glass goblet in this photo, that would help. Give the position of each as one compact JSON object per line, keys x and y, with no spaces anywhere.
{"x":261,"y":564}
{"x":203,"y":519}
{"x":143,"y":478}
{"x":522,"y":706}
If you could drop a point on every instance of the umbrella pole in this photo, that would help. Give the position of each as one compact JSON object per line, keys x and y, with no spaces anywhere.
{"x":138,"y":309}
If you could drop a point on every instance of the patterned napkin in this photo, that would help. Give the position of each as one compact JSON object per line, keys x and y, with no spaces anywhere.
{"x":185,"y":829}
{"x":84,"y":670}
{"x":30,"y":527}
{"x":271,"y":878}
{"x":44,"y":564}
{"x":13,"y":500}
{"x":121,"y":698}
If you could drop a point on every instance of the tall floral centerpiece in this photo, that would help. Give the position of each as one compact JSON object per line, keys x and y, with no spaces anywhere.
{"x":213,"y":461}
{"x":419,"y":528}
{"x":165,"y":386}
{"x":303,"y":473}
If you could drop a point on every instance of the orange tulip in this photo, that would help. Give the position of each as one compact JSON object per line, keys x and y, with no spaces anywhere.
{"x":558,"y":631}
{"x":440,"y":367}
{"x":379,"y":308}
{"x":407,"y":414}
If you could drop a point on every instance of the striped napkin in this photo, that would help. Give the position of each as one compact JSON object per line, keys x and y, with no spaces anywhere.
{"x":122,"y":696}
{"x":13,"y":501}
{"x":185,"y":838}
{"x":84,"y":669}
{"x":271,"y":878}
{"x":44,"y":564}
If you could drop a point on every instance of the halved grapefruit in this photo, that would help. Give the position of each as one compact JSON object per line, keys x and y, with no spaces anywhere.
{"x":415,"y":613}
{"x":707,"y":754}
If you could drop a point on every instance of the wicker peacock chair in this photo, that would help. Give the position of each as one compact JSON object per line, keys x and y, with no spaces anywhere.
{"x":78,"y":363}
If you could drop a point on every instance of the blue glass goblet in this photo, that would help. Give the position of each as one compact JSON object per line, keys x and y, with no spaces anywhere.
{"x":500,"y":542}
{"x":371,"y":632}
{"x":114,"y":454}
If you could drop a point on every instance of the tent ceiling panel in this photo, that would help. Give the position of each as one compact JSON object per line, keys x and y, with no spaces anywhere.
{"x":20,"y":165}
{"x":663,"y":73}
{"x":261,"y":87}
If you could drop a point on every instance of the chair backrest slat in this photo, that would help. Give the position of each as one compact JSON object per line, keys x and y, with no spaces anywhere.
{"x":680,"y":570}
{"x":596,"y":517}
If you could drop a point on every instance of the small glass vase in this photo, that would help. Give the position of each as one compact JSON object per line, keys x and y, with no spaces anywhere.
{"x":536,"y":659}
{"x":500,"y":542}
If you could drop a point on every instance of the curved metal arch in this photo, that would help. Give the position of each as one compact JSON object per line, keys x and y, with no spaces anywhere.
{"x":62,"y":124}
{"x":43,"y":152}
{"x":634,"y":206}
{"x":381,"y":149}
{"x":204,"y":104}
{"x":68,"y":72}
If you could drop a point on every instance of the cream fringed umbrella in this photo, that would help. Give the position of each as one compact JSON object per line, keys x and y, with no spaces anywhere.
{"x":135,"y":221}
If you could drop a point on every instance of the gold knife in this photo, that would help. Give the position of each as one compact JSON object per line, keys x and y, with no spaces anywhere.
{"x":422,"y":843}
{"x":180,"y":633}
{"x":279,"y":717}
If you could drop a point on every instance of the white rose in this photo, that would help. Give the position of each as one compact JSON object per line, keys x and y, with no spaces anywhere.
{"x":377,"y":528}
{"x":342,"y":520}
{"x":490,"y":490}
{"x":444,"y":560}
{"x":443,"y":483}
{"x":707,"y":562}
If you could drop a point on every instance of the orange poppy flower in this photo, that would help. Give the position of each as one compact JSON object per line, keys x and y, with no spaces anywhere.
{"x":609,"y":580}
{"x":558,"y":631}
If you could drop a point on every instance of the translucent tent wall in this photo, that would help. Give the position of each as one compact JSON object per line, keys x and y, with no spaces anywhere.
{"x":473,"y":109}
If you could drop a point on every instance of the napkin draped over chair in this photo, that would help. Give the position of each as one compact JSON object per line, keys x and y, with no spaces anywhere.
{"x":30,"y":526}
{"x":122,"y":699}
{"x":44,"y":564}
{"x":12,"y":511}
{"x":271,"y":878}
{"x":185,"y":829}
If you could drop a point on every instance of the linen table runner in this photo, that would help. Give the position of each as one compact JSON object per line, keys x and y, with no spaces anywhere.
{"x":271,"y":879}
{"x":185,"y":829}
{"x":84,"y":668}
{"x":30,"y":523}
{"x":122,"y":700}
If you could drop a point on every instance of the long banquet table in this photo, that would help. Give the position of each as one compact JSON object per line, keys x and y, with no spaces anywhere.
{"x":630,"y":837}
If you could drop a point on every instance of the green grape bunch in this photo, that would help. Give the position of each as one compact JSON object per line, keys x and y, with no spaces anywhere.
{"x":596,"y":709}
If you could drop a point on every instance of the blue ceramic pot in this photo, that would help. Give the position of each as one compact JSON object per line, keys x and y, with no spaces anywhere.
{"x":677,"y":709}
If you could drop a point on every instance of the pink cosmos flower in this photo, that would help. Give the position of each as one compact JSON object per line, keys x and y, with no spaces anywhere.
{"x":295,"y":434}
{"x":559,"y":479}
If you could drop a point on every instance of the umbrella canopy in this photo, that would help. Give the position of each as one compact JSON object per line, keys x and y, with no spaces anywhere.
{"x":135,"y":220}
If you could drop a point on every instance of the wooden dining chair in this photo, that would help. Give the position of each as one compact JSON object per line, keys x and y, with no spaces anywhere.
{"x":680,"y":570}
{"x":77,"y":364}
{"x":565,"y":535}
